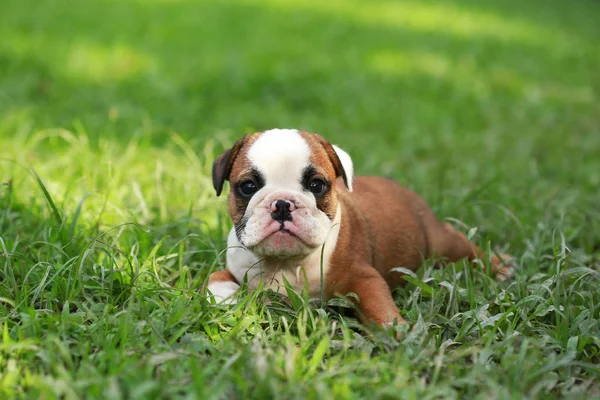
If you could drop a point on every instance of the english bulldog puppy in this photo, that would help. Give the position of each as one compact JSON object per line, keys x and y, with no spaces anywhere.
{"x":299,"y":212}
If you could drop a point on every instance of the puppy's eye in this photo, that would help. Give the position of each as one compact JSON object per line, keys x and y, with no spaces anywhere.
{"x":248,"y":188}
{"x":317,"y":186}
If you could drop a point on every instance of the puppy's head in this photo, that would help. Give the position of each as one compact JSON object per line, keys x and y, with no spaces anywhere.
{"x":282,"y":200}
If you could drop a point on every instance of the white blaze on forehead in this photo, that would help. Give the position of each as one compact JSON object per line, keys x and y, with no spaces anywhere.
{"x":280,"y":155}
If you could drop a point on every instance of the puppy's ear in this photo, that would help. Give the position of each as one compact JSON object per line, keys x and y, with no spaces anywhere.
{"x":347,"y":168}
{"x":222,"y":166}
{"x":342,"y":163}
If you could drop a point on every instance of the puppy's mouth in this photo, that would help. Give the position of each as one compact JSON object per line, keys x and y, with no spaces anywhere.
{"x":282,"y":235}
{"x":285,"y":228}
{"x":277,"y":236}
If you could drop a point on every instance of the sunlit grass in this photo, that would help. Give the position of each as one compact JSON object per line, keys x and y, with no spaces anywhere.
{"x":448,"y":18}
{"x":482,"y":82}
{"x":109,"y":175}
{"x":83,"y":60}
{"x":99,"y":64}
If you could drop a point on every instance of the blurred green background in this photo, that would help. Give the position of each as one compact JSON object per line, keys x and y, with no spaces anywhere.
{"x":400,"y":70}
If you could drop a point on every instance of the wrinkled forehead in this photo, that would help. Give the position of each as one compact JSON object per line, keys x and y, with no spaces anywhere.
{"x":280,"y":156}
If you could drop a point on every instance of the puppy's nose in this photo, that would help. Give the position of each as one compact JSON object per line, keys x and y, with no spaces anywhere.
{"x":281,"y":210}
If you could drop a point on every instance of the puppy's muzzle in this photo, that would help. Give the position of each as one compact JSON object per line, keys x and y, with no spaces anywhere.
{"x":281,"y":210}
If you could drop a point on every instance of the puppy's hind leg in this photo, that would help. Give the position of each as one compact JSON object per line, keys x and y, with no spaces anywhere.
{"x":452,"y":245}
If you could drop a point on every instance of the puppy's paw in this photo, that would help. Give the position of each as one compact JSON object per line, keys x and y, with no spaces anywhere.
{"x":504,"y":267}
{"x":222,"y":291}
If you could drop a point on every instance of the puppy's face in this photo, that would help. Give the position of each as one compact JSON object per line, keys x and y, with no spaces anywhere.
{"x":282,"y":199}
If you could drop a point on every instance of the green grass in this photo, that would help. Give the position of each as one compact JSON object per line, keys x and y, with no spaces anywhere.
{"x":111,"y":113}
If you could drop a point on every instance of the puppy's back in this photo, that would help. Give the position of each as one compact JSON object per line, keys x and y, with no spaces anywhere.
{"x":396,"y":221}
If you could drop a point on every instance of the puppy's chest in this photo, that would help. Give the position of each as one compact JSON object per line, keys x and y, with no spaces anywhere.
{"x":298,"y":275}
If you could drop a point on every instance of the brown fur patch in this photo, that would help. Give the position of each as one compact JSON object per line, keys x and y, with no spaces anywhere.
{"x":240,"y":171}
{"x":325,"y":165}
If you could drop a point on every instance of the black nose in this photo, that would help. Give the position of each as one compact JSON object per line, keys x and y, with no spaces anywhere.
{"x":282,"y":211}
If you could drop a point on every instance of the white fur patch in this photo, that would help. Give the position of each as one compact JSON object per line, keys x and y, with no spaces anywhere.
{"x":223,"y":291}
{"x":311,"y":224}
{"x":242,"y":263}
{"x":281,"y":155}
{"x":346,"y":164}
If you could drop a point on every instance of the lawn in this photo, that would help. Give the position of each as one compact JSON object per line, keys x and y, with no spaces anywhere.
{"x":112,"y":111}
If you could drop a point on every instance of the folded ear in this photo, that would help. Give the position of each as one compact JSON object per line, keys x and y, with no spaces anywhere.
{"x":347,"y":166}
{"x":222,"y":166}
{"x":342,"y":163}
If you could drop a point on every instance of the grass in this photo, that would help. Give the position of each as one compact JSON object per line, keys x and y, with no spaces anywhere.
{"x":111,"y":113}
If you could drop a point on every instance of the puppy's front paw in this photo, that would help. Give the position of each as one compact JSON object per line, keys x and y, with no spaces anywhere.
{"x":222,"y":291}
{"x":504,"y":267}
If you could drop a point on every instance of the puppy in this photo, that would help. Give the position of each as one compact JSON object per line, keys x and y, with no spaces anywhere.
{"x":300,"y":214}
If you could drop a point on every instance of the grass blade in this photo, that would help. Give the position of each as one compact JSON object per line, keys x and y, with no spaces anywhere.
{"x":55,"y":212}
